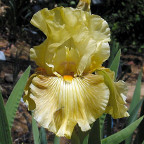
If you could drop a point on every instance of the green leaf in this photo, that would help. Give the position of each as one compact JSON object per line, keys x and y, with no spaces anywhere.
{"x":94,"y":135}
{"x":113,"y":51}
{"x":135,"y":106}
{"x":78,"y":136}
{"x":132,"y":118}
{"x":14,"y":99}
{"x":136,"y":95}
{"x":5,"y":135}
{"x":56,"y":140}
{"x":43,"y":139}
{"x":115,"y":64}
{"x":85,"y":141}
{"x":140,"y":134}
{"x":123,"y":134}
{"x":35,"y":130}
{"x":134,"y":113}
{"x":102,"y":119}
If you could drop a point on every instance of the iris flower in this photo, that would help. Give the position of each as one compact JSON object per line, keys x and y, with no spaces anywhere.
{"x":70,"y":86}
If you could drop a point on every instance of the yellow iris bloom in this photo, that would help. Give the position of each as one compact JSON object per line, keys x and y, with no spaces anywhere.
{"x":63,"y":92}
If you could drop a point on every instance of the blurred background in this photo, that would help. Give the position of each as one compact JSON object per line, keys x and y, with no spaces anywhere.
{"x":17,"y":36}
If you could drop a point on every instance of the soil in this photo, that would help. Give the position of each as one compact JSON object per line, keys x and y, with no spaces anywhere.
{"x":17,"y":60}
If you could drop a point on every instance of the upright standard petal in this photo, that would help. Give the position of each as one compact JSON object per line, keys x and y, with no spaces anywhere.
{"x":63,"y":102}
{"x":86,"y":37}
{"x":117,"y":101}
{"x":38,"y":54}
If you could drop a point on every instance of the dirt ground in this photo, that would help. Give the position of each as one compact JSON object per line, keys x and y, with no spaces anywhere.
{"x":17,"y":60}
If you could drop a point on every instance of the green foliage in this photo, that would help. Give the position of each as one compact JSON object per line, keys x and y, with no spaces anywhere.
{"x":56,"y":140}
{"x":134,"y":113}
{"x":38,"y":136}
{"x":14,"y":98}
{"x":113,"y":51}
{"x":79,"y":136}
{"x":102,"y":119}
{"x":123,"y":134}
{"x":115,"y":64}
{"x":94,"y":135}
{"x":134,"y":106}
{"x":43,"y":138}
{"x":136,"y":95}
{"x":35,"y":131}
{"x":8,"y":112}
{"x":140,"y":135}
{"x":5,"y":136}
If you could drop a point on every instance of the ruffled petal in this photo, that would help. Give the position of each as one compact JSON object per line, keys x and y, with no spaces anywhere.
{"x":116,"y":105}
{"x":99,"y":28}
{"x":62,"y":103}
{"x":100,"y":55}
{"x":39,"y":21}
{"x":86,"y":37}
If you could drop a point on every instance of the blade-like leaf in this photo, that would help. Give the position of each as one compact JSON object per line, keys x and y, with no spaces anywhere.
{"x":134,"y":113}
{"x":14,"y":99}
{"x":85,"y":141}
{"x":56,"y":140}
{"x":136,"y":95}
{"x":114,"y":49}
{"x":35,"y":131}
{"x":102,"y":119}
{"x":94,"y":135}
{"x":140,"y":135}
{"x":43,"y":139}
{"x":123,"y":134}
{"x":5,"y":136}
{"x":132,"y":118}
{"x":115,"y":64}
{"x":78,"y":136}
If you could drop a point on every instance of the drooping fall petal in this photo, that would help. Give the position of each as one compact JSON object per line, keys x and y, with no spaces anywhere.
{"x":117,"y":100}
{"x":62,"y":102}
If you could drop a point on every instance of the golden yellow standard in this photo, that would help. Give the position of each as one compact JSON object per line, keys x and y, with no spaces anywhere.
{"x":63,"y":91}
